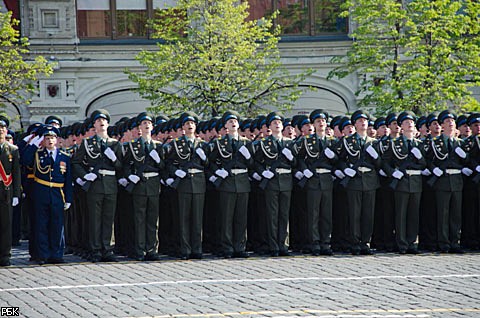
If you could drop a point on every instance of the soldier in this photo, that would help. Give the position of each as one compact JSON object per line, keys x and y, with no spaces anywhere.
{"x":404,"y":161}
{"x":316,"y":160}
{"x":96,"y":162}
{"x":359,"y":160}
{"x":230,"y":160}
{"x":446,"y":161}
{"x":142,"y":165}
{"x":52,"y":193}
{"x":9,"y":190}
{"x":422,"y":128}
{"x":274,"y":161}
{"x":463,"y":127}
{"x":189,"y":160}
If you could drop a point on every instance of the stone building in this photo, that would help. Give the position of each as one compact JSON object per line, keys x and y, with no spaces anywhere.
{"x":93,"y":41}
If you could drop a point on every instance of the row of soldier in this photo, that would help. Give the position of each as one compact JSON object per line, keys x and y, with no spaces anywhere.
{"x":228,"y":186}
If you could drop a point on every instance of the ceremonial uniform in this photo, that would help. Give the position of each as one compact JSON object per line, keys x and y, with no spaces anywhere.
{"x":405,"y":169}
{"x":141,"y":161}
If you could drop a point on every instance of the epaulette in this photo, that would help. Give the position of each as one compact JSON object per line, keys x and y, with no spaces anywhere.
{"x":263,"y":139}
{"x":133,"y":140}
{"x":65,"y":153}
{"x":176,"y":139}
{"x":307,"y":136}
{"x":435,"y":138}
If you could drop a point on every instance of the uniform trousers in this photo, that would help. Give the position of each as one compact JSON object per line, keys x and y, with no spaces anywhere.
{"x":277,"y":209}
{"x":101,"y":216}
{"x":407,"y":207}
{"x":190,"y":213}
{"x":233,"y":221}
{"x":319,"y":218}
{"x":361,"y":206}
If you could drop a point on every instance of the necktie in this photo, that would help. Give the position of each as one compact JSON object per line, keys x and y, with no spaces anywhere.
{"x":50,"y":155}
{"x":409,"y":144}
{"x":234,"y":144}
{"x":449,"y":143}
{"x":361,"y":141}
{"x":148,"y":146}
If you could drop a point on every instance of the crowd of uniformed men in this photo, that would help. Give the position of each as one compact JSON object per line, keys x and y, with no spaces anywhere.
{"x":149,"y":186}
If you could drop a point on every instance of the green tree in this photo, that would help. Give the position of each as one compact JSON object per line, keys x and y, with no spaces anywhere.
{"x":211,"y":58}
{"x":421,"y":55}
{"x":16,"y":73}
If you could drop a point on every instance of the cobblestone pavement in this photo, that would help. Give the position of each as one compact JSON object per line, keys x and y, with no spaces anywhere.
{"x":384,"y":285}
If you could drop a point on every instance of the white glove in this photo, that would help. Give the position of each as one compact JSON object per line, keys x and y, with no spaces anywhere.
{"x":180,"y":173}
{"x":426,"y":172}
{"x":134,"y":178}
{"x":372,"y":152}
{"x":221,"y":173}
{"x":256,"y":176}
{"x":162,"y":182}
{"x":66,"y":206}
{"x":169,"y":181}
{"x":110,"y":154}
{"x":155,"y":156}
{"x":299,"y":175}
{"x":339,"y":174}
{"x":460,"y":152}
{"x":244,"y":151}
{"x":27,"y":139}
{"x":287,"y":153}
{"x":416,"y":152}
{"x":382,"y":173}
{"x":80,"y":181}
{"x":467,"y":171}
{"x":123,"y":182}
{"x":14,"y":201}
{"x":37,"y":141}
{"x":478,"y":168}
{"x":268,"y":174}
{"x":90,"y":176}
{"x":201,"y":154}
{"x":438,"y":172}
{"x":329,"y":153}
{"x":307,"y":173}
{"x":350,"y":172}
{"x":212,"y":179}
{"x":397,"y":174}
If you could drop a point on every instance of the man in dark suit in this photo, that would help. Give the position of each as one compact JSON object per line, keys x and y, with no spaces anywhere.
{"x":230,"y":160}
{"x":9,"y":190}
{"x":142,"y":165}
{"x":316,"y":160}
{"x":97,"y":162}
{"x":188,"y":162}
{"x":404,"y":162}
{"x":447,"y":160}
{"x":274,"y":161}
{"x":359,"y":159}
{"x":52,"y":193}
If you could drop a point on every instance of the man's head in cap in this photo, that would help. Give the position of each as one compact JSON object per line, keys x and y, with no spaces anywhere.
{"x":245,"y":128}
{"x":346,"y":126}
{"x":393,"y":125}
{"x":50,"y":134}
{"x":54,"y":120}
{"x":407,"y":120}
{"x":463,"y":127}
{"x":145,"y":124}
{"x":474,"y":123}
{"x":371,"y":131}
{"x":319,"y":118}
{"x":10,"y":136}
{"x":275,"y":123}
{"x":304,"y":125}
{"x":447,"y":120}
{"x":189,"y":122}
{"x":230,"y":120}
{"x":380,"y":125}
{"x":288,"y":129}
{"x":422,"y":126}
{"x":100,"y":120}
{"x":262,"y":126}
{"x":434,"y":125}
{"x":4,"y":122}
{"x":334,"y":124}
{"x":360,"y":120}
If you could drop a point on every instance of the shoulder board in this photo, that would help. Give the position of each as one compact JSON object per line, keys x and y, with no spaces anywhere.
{"x":435,"y":138}
{"x":176,"y":139}
{"x":307,"y":136}
{"x":219,"y":137}
{"x":263,"y":139}
{"x":65,"y":153}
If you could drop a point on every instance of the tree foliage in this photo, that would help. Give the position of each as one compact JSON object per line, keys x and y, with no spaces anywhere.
{"x":16,"y":73}
{"x":211,"y":58}
{"x":421,"y":55}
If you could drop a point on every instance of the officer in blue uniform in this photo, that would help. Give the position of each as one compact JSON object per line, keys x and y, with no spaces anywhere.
{"x":52,"y":193}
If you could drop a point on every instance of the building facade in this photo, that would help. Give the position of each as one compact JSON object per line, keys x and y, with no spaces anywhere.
{"x":92,"y":42}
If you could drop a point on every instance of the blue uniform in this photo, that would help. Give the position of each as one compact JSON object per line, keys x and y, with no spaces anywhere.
{"x":51,"y":190}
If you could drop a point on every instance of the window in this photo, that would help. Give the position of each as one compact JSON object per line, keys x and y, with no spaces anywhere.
{"x":302,"y":17}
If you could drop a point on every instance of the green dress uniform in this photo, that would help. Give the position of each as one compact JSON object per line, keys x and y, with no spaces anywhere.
{"x":143,"y":159}
{"x":471,"y":196}
{"x":446,"y":165}
{"x":316,"y":160}
{"x":185,"y":161}
{"x":102,"y":192}
{"x":9,"y":188}
{"x":360,"y":188}
{"x":277,"y":191}
{"x":231,"y":168}
{"x":405,"y":169}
